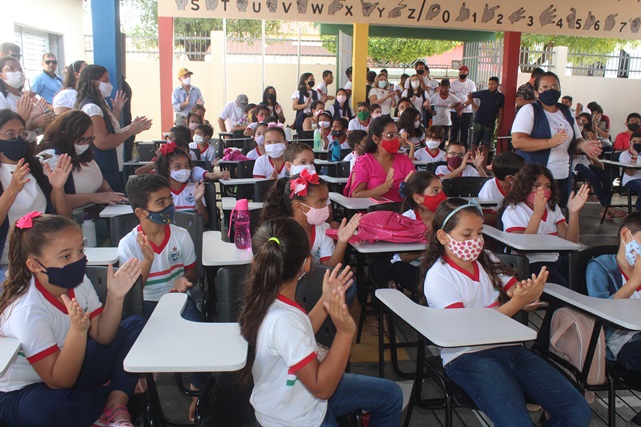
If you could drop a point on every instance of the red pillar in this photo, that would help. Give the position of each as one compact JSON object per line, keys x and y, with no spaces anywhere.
{"x":166,"y":59}
{"x":511,"y":52}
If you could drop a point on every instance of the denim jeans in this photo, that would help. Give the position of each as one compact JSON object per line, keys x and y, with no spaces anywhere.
{"x":599,"y":180}
{"x":382,"y":398}
{"x":635,"y":185}
{"x":499,"y":379}
{"x":630,"y":354}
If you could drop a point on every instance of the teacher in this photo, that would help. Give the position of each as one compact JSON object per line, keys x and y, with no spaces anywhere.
{"x":546,"y":133}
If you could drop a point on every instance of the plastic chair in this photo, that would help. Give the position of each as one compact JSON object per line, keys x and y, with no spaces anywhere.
{"x":205,"y":164}
{"x":146,"y":151}
{"x":228,"y":292}
{"x":210,"y":200}
{"x":431,"y":167}
{"x":261,"y":188}
{"x":120,"y":226}
{"x":245,"y":169}
{"x":343,"y":170}
{"x":579,"y":264}
{"x":225,"y":402}
{"x":308,"y":292}
{"x":133,"y":304}
{"x":193,"y":223}
{"x":306,"y":135}
{"x":247,"y":146}
{"x":468,"y":186}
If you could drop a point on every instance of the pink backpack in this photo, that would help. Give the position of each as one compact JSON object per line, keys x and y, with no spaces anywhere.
{"x":570,"y":333}
{"x":387,"y":226}
{"x":231,"y":154}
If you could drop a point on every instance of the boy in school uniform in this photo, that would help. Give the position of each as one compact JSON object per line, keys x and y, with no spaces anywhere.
{"x":457,"y":158}
{"x":632,"y":177}
{"x":202,"y":136}
{"x":633,"y":123}
{"x":434,"y":137}
{"x":504,"y":166}
{"x":441,"y":103}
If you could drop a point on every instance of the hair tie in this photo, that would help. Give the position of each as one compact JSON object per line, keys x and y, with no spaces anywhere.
{"x":168,"y":148}
{"x":27,"y":220}
{"x":275,"y":239}
{"x":275,"y":125}
{"x":299,"y":185}
{"x":471,"y":204}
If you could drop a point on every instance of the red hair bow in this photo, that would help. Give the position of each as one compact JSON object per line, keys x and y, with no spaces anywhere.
{"x":168,"y":148}
{"x":299,"y":185}
{"x":27,"y":220}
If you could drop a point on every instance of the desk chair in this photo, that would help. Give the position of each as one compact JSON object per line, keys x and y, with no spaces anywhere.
{"x":343,"y":170}
{"x":228,"y":292}
{"x":133,"y":304}
{"x":193,"y":223}
{"x":620,"y":188}
{"x":214,"y":213}
{"x":304,"y":136}
{"x":205,"y":164}
{"x":247,"y":146}
{"x":146,"y":151}
{"x":431,"y":167}
{"x":468,"y":186}
{"x":261,"y":188}
{"x":245,"y":169}
{"x":120,"y":226}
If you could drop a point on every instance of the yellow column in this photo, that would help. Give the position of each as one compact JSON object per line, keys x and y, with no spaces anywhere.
{"x":359,"y":63}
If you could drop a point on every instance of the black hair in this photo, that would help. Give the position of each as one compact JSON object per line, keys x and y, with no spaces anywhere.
{"x":249,"y":107}
{"x":276,"y":129}
{"x":445,"y":83}
{"x":70,"y":78}
{"x":416,"y":184}
{"x":404,"y":76}
{"x":374,"y":107}
{"x":348,"y":71}
{"x":139,"y":188}
{"x":537,"y":82}
{"x":632,"y":222}
{"x":302,"y":82}
{"x":538,"y":71}
{"x":371,"y":75}
{"x":198,"y":116}
{"x":343,"y":122}
{"x":420,"y":92}
{"x":261,"y":107}
{"x":182,"y":136}
{"x":266,"y":95}
{"x":524,"y":181}
{"x":436,"y":131}
{"x":506,"y":163}
{"x":568,"y":97}
{"x":87,"y":89}
{"x":206,"y":130}
{"x":376,"y":128}
{"x":417,"y":63}
{"x":314,"y":105}
{"x":354,"y":137}
{"x":327,"y":73}
{"x":62,"y":134}
{"x":636,"y":134}
{"x":3,"y":63}
{"x":278,"y":202}
{"x":295,"y":149}
{"x":280,"y":247}
{"x":163,"y":162}
{"x":494,"y":79}
{"x":406,"y":122}
{"x":449,"y":144}
{"x":633,"y":116}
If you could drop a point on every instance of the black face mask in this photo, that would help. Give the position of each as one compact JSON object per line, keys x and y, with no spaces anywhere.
{"x":637,"y":147}
{"x":634,"y":126}
{"x":14,"y":150}
{"x":337,"y":133}
{"x":271,"y":97}
{"x":462,"y":76}
{"x":69,"y":276}
{"x":420,"y":72}
{"x":550,"y":97}
{"x":311,"y":83}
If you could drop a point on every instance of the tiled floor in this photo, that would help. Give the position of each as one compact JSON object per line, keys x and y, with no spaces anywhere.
{"x":628,"y":404}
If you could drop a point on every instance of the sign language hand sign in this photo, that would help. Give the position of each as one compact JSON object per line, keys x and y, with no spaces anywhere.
{"x":181,"y":4}
{"x":547,"y":16}
{"x":211,"y":4}
{"x":610,"y":22}
{"x":433,"y":12}
{"x":272,"y":5}
{"x":590,"y":21}
{"x":517,"y":16}
{"x":335,"y":6}
{"x":396,"y":12}
{"x":368,"y":8}
{"x":488,"y":13}
{"x":464,"y":14}
{"x":571,"y":18}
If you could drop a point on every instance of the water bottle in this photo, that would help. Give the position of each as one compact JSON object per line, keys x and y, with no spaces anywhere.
{"x":135,"y":154}
{"x":288,"y":133}
{"x":89,"y":231}
{"x":335,"y":151}
{"x":318,"y":141}
{"x":240,"y":217}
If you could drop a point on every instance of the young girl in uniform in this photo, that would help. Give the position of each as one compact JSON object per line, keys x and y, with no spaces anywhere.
{"x":259,"y":142}
{"x":292,"y":387}
{"x":272,"y":166}
{"x":498,"y":378}
{"x":69,"y":370}
{"x":175,"y":165}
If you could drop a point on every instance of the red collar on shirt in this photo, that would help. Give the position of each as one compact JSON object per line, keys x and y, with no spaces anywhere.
{"x":438,"y":151}
{"x":278,"y":170}
{"x":58,"y":304}
{"x":287,"y":301}
{"x":444,"y":97}
{"x":625,"y":276}
{"x":159,"y":249}
{"x":498,"y":184}
{"x":545,"y":213}
{"x":205,"y":149}
{"x":180,"y":190}
{"x":475,"y":277}
{"x":312,"y":239}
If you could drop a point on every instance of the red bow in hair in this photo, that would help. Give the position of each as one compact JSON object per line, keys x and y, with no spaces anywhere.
{"x":168,"y":148}
{"x":27,"y":220}
{"x":300,"y":184}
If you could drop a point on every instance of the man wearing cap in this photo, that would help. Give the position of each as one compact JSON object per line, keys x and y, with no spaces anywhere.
{"x":233,"y":117}
{"x":47,"y":84}
{"x":462,"y":120}
{"x":185,"y":96}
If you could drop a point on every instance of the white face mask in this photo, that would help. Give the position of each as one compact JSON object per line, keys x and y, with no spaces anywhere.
{"x":81,"y":148}
{"x":376,"y":115}
{"x":382,"y":84}
{"x":198,"y":139}
{"x":417,"y":124}
{"x":431,"y":144}
{"x":297,"y":169}
{"x":15,"y":79}
{"x":275,"y":150}
{"x":181,"y":175}
{"x":260,"y":140}
{"x":193,"y":126}
{"x":186,"y":81}
{"x":341,"y":98}
{"x":105,"y":89}
{"x":323,"y":124}
{"x":415,"y":84}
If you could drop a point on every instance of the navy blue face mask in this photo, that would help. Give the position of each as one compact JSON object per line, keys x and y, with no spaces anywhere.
{"x":14,"y":150}
{"x":550,"y":97}
{"x":69,"y":276}
{"x":165,"y":216}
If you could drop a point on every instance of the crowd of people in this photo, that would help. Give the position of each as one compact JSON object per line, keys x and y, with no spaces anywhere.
{"x":70,"y":369}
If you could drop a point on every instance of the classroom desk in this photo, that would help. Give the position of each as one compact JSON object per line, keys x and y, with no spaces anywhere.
{"x":636,"y":166}
{"x":169,"y":343}
{"x":333,"y":179}
{"x":351,"y":203}
{"x":9,"y":348}
{"x":116,"y":210}
{"x":217,"y":253}
{"x":229,"y":203}
{"x":240,"y":181}
{"x":484,"y":202}
{"x":531,"y":242}
{"x":229,"y":165}
{"x":101,"y":256}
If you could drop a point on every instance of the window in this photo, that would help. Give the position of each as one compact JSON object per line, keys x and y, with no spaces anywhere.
{"x":33,"y":43}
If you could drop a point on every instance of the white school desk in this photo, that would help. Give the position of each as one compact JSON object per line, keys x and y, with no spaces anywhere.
{"x":115,"y":210}
{"x":319,"y":151}
{"x":634,"y":166}
{"x":217,"y":253}
{"x":351,"y":203}
{"x":101,"y":256}
{"x":240,"y":181}
{"x":531,"y":242}
{"x":484,"y":202}
{"x":620,"y":164}
{"x":134,"y":164}
{"x":325,"y":163}
{"x":333,"y":179}
{"x":9,"y":348}
{"x":229,"y":203}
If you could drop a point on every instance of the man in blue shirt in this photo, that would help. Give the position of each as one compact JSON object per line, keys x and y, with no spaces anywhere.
{"x":185,"y":96}
{"x":47,"y":83}
{"x":487,"y":113}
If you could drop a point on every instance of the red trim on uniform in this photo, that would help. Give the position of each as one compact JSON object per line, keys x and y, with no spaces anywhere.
{"x":325,"y":258}
{"x":513,"y":229}
{"x":438,"y":152}
{"x":44,"y":353}
{"x":203,"y":151}
{"x":493,"y":305}
{"x":161,"y":247}
{"x":287,"y":301}
{"x":259,"y":176}
{"x":191,"y":266}
{"x":509,"y":284}
{"x":553,"y":234}
{"x":498,"y":185}
{"x":456,"y":305}
{"x":167,"y":271}
{"x":300,"y":365}
{"x":474,"y":276}
{"x":313,"y":238}
{"x":96,"y":312}
{"x":544,"y":217}
{"x":277,"y":170}
{"x":625,"y":276}
{"x":53,"y":300}
{"x":560,"y":221}
{"x":180,"y":190}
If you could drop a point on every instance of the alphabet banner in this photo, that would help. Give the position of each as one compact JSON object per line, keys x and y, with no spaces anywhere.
{"x":619,"y":19}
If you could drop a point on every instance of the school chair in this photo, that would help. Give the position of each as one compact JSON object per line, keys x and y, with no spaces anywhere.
{"x":133,"y":304}
{"x":146,"y":151}
{"x":247,"y":146}
{"x":343,"y":170}
{"x":579,"y":264}
{"x":120,"y":226}
{"x":522,"y":265}
{"x":245,"y":169}
{"x":431,"y":167}
{"x":193,"y":223}
{"x":621,"y":189}
{"x":205,"y":164}
{"x":345,"y":152}
{"x":212,"y":207}
{"x":465,"y":186}
{"x":225,"y":402}
{"x":306,"y":137}
{"x":228,"y":292}
{"x":261,"y":188}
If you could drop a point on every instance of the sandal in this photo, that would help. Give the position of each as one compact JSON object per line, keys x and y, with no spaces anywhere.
{"x":609,"y":216}
{"x":192,"y":406}
{"x":375,"y":327}
{"x":108,"y":415}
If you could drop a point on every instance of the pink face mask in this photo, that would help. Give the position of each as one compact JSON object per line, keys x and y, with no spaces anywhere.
{"x":467,"y":250}
{"x":530,"y":197}
{"x":317,"y":216}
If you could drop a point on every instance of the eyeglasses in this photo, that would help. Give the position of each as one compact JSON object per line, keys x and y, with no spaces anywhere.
{"x":390,"y":135}
{"x":85,"y":140}
{"x":546,"y":88}
{"x":51,"y":61}
{"x":12,"y":136}
{"x":452,"y":154}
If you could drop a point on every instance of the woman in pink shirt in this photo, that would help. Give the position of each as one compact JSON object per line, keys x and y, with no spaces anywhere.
{"x":380,"y":171}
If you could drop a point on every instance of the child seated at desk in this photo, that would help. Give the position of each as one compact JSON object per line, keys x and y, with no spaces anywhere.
{"x":432,"y":153}
{"x":631,"y":176}
{"x":69,"y":371}
{"x":356,"y":140}
{"x":461,"y":274}
{"x":362,"y":119}
{"x":457,"y":157}
{"x":202,"y":137}
{"x":293,"y":385}
{"x":258,"y":147}
{"x":618,"y":276}
{"x":272,"y":166}
{"x":175,"y":165}
{"x":504,"y":167}
{"x":166,"y":250}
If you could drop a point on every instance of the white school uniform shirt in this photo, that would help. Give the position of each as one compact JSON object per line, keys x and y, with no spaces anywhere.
{"x":442,"y":108}
{"x":445,"y":169}
{"x":626,"y":157}
{"x":321,"y":89}
{"x":461,"y":89}
{"x":431,"y":84}
{"x":423,"y":155}
{"x":296,"y":96}
{"x":175,"y":255}
{"x":321,"y":245}
{"x":66,"y":98}
{"x":559,"y":160}
{"x":413,"y":139}
{"x":40,"y":322}
{"x":94,"y":110}
{"x":253,"y":154}
{"x":184,"y":199}
{"x":232,"y":115}
{"x":516,"y":218}
{"x":86,"y":180}
{"x":9,"y":101}
{"x":209,"y":153}
{"x":263,"y":168}
{"x":492,"y":190}
{"x":29,"y":199}
{"x":348,"y":85}
{"x":449,"y":286}
{"x":355,"y":124}
{"x":285,"y":344}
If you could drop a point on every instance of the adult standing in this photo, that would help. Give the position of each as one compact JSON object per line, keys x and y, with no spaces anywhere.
{"x":428,"y":84}
{"x":382,"y":94}
{"x":65,"y":100}
{"x":487,"y":113}
{"x":47,"y":84}
{"x":107,"y":147}
{"x":462,"y":119}
{"x":525,"y":92}
{"x":302,"y":99}
{"x":185,"y":96}
{"x":545,"y":132}
{"x":275,"y":109}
